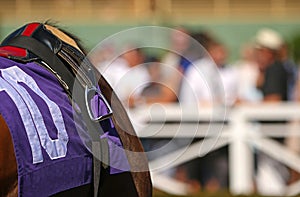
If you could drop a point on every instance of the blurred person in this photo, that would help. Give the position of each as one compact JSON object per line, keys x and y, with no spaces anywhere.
{"x":291,"y":69}
{"x":198,"y":88}
{"x":179,"y":42}
{"x":101,"y":56}
{"x":247,"y":72}
{"x":200,"y":85}
{"x":174,"y":64}
{"x":153,"y":88}
{"x":198,"y":42}
{"x":292,"y":142}
{"x":171,"y":66}
{"x":128,"y":76}
{"x":273,"y":82}
{"x":273,"y":76}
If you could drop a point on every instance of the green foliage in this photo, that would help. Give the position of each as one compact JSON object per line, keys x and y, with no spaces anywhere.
{"x":296,"y":48}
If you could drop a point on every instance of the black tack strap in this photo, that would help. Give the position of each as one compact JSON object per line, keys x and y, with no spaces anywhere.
{"x":47,"y":56}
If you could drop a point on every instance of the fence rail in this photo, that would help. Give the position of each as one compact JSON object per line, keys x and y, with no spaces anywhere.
{"x":240,"y":128}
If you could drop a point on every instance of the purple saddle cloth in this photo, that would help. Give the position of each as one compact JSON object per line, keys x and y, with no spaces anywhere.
{"x":49,"y":149}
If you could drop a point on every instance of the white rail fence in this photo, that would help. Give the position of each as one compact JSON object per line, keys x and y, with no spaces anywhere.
{"x":242,"y":133}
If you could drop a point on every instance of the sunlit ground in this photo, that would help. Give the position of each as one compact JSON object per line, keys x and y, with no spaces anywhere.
{"x":158,"y":193}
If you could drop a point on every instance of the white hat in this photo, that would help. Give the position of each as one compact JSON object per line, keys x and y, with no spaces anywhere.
{"x":268,"y":38}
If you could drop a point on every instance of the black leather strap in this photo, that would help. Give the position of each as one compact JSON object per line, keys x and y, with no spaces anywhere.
{"x":46,"y":55}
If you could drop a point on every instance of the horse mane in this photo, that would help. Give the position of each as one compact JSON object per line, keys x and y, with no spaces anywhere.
{"x":68,"y":33}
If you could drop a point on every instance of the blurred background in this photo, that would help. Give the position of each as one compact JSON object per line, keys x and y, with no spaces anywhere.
{"x":255,"y":47}
{"x":233,"y":21}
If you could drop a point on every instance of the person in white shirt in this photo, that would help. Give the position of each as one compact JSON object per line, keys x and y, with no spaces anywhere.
{"x":209,"y":81}
{"x":128,"y":76}
{"x":248,"y":72}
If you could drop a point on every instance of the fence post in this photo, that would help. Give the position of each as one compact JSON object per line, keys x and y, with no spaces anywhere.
{"x":240,"y":156}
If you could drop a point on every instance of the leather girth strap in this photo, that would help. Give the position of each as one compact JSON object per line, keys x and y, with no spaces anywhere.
{"x":46,"y":55}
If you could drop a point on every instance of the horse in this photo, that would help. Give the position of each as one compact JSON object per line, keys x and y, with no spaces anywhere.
{"x":63,"y":131}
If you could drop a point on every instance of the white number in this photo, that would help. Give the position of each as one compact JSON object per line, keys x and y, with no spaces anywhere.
{"x":31,"y":115}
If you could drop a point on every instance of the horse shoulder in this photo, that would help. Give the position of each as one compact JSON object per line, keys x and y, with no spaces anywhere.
{"x":8,"y":165}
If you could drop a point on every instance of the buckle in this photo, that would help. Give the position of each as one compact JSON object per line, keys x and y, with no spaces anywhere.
{"x":93,"y":98}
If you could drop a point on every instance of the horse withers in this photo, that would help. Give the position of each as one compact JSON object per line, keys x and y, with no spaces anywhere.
{"x":63,"y":130}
